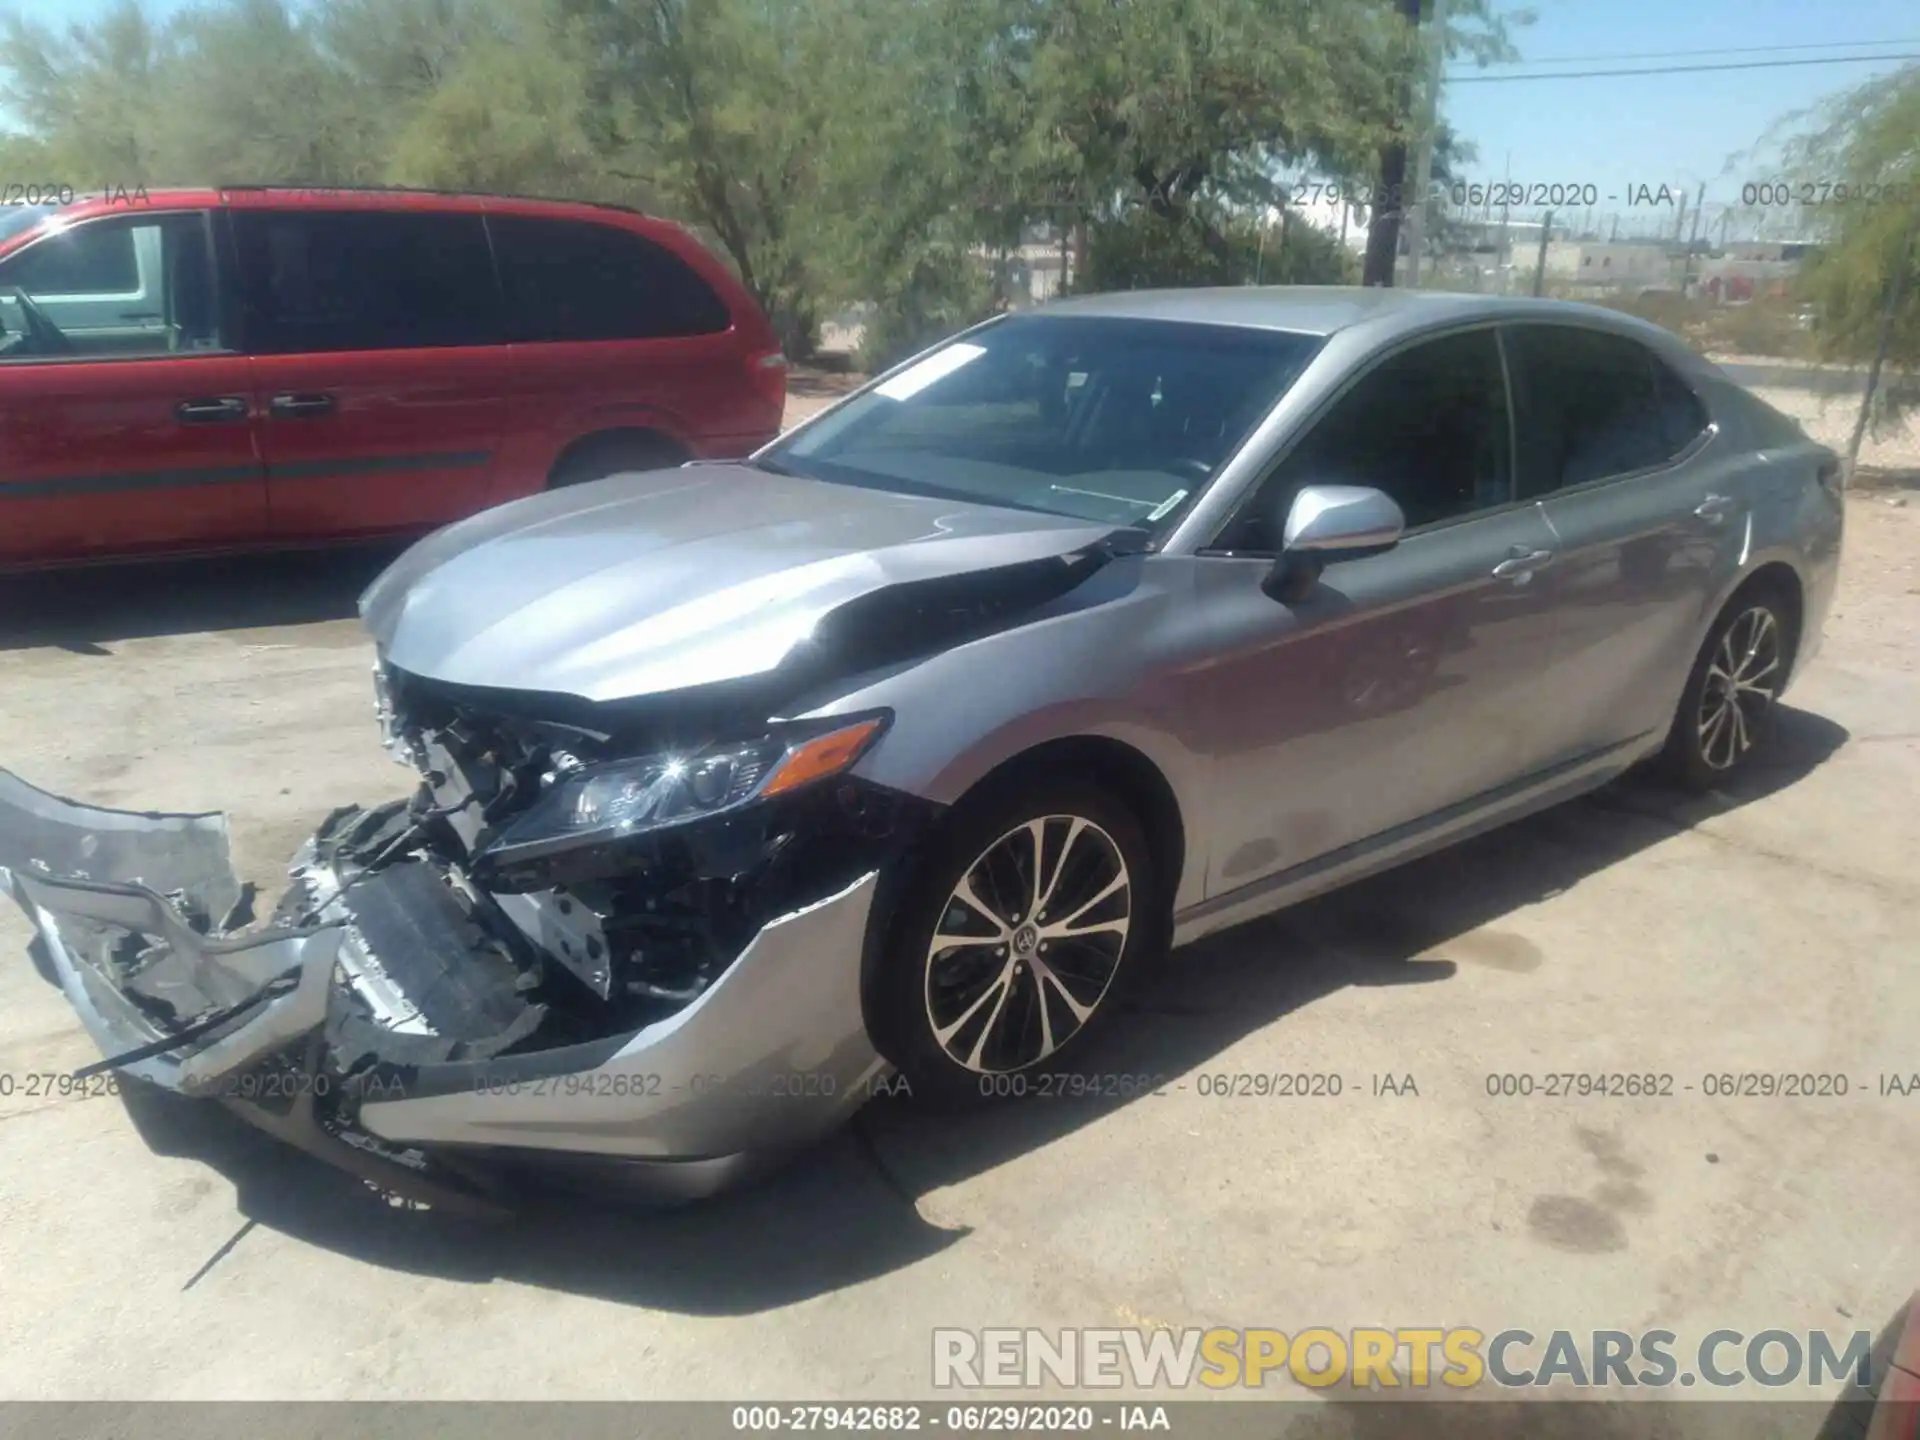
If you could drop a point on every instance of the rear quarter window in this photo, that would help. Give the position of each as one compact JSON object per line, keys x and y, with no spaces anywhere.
{"x":579,"y":280}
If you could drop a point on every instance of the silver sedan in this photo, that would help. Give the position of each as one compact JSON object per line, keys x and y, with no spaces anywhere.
{"x":890,"y":758}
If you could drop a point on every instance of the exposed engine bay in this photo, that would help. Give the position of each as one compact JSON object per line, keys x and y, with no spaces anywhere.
{"x":556,"y":939}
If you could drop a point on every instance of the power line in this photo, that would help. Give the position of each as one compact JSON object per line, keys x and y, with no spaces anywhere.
{"x":1716,"y":50}
{"x":1678,"y":69}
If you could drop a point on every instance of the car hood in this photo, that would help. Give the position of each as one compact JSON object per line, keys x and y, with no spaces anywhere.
{"x":643,"y":583}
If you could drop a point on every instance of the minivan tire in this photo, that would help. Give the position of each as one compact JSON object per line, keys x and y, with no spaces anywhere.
{"x":614,"y":455}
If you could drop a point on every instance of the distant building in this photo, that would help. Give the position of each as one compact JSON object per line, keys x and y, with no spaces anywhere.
{"x":1752,"y":269}
{"x":1610,"y":263}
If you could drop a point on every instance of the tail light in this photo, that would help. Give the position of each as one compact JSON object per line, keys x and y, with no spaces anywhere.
{"x":768,"y":372}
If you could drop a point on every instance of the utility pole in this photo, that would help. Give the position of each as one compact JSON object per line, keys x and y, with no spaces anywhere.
{"x":1506,"y":217}
{"x":1540,"y":260}
{"x":1383,"y":224}
{"x":1429,"y":120}
{"x":1686,"y":266}
{"x":1902,"y":263}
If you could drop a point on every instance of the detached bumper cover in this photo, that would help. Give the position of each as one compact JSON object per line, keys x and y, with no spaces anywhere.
{"x":325,"y":1034}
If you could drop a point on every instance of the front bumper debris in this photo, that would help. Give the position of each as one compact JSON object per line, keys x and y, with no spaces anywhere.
{"x":390,"y":1018}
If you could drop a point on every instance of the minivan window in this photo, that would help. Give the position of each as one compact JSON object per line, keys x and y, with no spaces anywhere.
{"x":1589,"y":405}
{"x":94,"y":259}
{"x":317,"y":281}
{"x":1428,"y":426}
{"x":577,"y":280}
{"x":167,"y":306}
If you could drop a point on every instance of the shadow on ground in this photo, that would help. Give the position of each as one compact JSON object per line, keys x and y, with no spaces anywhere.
{"x":847,"y":1210}
{"x":1885,"y":478}
{"x":87,"y":609}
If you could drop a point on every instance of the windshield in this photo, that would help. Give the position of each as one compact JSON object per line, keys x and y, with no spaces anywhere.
{"x":16,"y":218}
{"x":1100,"y":418}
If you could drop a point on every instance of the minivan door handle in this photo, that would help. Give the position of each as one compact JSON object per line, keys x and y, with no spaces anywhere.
{"x":1520,"y":564}
{"x":211,"y":409}
{"x":302,"y":405}
{"x":1714,"y":508}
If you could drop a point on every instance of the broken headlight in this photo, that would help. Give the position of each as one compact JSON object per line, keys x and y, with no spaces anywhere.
{"x":632,"y":797}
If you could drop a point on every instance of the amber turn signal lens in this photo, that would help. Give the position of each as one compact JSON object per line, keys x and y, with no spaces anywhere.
{"x":821,"y":756}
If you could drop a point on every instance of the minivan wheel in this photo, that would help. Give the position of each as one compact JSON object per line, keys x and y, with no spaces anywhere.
{"x":1727,"y":710}
{"x":1014,"y":940}
{"x":614,"y":455}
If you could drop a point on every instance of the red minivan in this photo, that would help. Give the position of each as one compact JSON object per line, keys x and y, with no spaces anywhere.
{"x":199,"y":370}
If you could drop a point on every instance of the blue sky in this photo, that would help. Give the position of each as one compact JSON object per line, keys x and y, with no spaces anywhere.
{"x":1621,"y":131}
{"x":1616,"y":132}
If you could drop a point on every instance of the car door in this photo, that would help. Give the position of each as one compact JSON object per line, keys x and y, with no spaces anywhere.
{"x":379,"y":364}
{"x":611,"y":331}
{"x":1407,"y":682}
{"x":1648,"y":518}
{"x":125,"y":407}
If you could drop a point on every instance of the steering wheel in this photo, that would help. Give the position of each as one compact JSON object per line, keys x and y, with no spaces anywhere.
{"x":46,"y":337}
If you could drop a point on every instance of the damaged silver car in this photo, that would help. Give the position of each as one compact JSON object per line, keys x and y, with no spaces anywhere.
{"x":892,"y":756}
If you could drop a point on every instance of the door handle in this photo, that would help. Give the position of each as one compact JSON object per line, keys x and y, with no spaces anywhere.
{"x":1714,"y":508}
{"x":211,"y":410}
{"x":1520,"y":565}
{"x":301,"y":405}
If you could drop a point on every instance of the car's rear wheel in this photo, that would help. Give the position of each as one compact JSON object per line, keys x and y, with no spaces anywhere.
{"x":1014,"y":940}
{"x":1727,"y":710}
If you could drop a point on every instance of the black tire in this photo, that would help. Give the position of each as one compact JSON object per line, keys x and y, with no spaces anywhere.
{"x":965,"y":1023}
{"x":614,"y":455}
{"x":1711,"y":743}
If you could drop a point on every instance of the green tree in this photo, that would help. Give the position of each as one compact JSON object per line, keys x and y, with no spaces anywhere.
{"x":720,"y":107}
{"x":502,"y":113}
{"x":88,"y":94}
{"x":249,"y":97}
{"x":1869,"y":140}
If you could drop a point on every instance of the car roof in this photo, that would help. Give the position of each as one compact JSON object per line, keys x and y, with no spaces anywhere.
{"x":1324,"y":310}
{"x":321,"y":197}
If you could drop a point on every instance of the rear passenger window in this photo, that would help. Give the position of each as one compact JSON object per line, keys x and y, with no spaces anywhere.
{"x":1589,"y":405}
{"x":575,"y":280}
{"x":316,"y":281}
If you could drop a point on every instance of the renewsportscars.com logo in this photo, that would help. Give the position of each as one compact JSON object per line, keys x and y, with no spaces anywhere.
{"x":1369,"y":1358}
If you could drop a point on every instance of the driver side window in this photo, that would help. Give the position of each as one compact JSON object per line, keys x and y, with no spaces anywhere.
{"x":120,"y":288}
{"x":1428,"y":426}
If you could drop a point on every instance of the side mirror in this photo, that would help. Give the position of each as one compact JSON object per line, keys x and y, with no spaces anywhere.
{"x":1326,"y":523}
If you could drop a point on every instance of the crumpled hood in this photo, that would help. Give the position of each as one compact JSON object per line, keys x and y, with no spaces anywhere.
{"x":642,"y":583}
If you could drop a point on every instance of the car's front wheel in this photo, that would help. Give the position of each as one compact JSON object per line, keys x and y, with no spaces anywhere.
{"x":1013,"y":940}
{"x":1727,"y":710}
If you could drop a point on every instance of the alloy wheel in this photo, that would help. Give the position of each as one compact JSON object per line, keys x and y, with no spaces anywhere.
{"x":1743,"y":680}
{"x":1028,"y":944}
